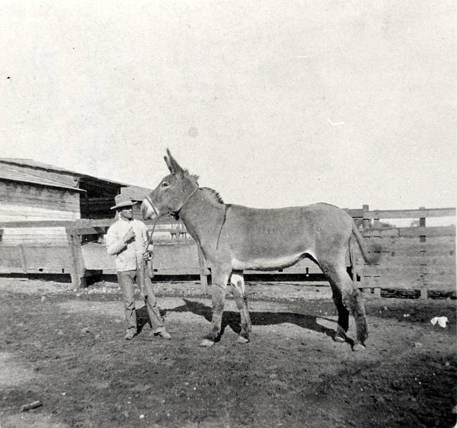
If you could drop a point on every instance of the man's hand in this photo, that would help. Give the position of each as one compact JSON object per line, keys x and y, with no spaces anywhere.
{"x":129,"y":236}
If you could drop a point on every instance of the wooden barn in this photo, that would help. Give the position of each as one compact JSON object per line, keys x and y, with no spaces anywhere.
{"x":46,"y":210}
{"x":34,"y":191}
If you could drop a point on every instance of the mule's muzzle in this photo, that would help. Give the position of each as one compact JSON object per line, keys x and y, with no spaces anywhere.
{"x":147,"y":210}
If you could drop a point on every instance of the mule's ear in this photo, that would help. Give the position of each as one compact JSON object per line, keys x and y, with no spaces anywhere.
{"x":167,"y":161}
{"x":172,"y":164}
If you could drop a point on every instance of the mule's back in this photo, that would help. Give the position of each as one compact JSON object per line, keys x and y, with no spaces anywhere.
{"x":269,"y":233}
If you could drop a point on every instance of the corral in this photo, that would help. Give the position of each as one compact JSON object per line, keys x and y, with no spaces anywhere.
{"x":62,"y":344}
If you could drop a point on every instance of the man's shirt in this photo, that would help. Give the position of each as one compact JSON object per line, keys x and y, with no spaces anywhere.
{"x":128,"y":255}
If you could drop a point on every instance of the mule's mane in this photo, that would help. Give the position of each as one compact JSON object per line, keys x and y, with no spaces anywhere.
{"x":214,"y":196}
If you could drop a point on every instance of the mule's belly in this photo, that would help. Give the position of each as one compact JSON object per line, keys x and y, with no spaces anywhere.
{"x":270,"y":262}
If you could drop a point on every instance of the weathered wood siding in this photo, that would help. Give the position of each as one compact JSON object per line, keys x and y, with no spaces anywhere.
{"x":26,"y":202}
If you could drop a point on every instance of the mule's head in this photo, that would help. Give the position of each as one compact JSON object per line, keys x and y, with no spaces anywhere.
{"x":172,"y":192}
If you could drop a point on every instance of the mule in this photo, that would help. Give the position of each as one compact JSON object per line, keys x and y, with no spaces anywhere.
{"x":233,"y":238}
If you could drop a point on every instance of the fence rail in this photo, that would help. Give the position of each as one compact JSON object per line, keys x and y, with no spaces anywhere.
{"x":419,"y":213}
{"x":417,"y":257}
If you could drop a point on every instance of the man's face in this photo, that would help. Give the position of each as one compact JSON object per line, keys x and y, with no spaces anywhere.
{"x":126,"y":213}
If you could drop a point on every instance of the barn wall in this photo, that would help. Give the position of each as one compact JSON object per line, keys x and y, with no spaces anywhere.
{"x":26,"y":202}
{"x":20,"y":201}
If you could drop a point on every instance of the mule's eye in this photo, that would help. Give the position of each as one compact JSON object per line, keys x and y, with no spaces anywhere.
{"x":165,"y":184}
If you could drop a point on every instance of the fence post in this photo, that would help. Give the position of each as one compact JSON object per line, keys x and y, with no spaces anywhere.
{"x":422,"y":219}
{"x":359,"y":270}
{"x":77,"y":270}
{"x":422,"y":238}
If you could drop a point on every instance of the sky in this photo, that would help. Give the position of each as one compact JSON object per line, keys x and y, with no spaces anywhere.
{"x":271,"y":103}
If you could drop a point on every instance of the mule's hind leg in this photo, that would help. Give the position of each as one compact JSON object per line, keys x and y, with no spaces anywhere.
{"x":239,"y":294}
{"x":351,"y":298}
{"x":343,"y":313}
{"x":218,"y":290}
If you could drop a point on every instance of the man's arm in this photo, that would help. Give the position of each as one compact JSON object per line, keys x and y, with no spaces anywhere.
{"x":144,"y":240}
{"x":116,"y":244}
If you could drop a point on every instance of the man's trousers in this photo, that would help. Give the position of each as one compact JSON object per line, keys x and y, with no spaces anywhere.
{"x":126,"y":282}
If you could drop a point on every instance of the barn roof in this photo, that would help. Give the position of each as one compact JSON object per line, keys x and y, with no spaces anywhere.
{"x":34,"y":164}
{"x":31,"y":171}
{"x":135,"y":193}
{"x":13,"y":172}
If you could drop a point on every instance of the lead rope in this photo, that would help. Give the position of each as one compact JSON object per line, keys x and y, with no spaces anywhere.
{"x":150,"y":241}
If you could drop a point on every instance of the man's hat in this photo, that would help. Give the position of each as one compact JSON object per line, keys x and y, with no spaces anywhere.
{"x":122,"y":201}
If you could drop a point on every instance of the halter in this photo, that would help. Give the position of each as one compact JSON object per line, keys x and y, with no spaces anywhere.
{"x":175,"y":213}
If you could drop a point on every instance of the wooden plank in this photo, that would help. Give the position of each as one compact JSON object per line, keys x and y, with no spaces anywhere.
{"x":408,"y":284}
{"x":380,"y":233}
{"x":410,"y":232}
{"x":11,"y":259}
{"x":86,"y":222}
{"x":405,"y":252}
{"x":168,"y":259}
{"x":389,"y":284}
{"x":47,"y":259}
{"x":439,"y":285}
{"x":399,"y":270}
{"x":419,"y":260}
{"x":38,"y":197}
{"x":44,"y":236}
{"x":438,"y":251}
{"x":410,"y":239}
{"x":407,"y":246}
{"x":428,"y":212}
{"x":427,"y":231}
{"x":38,"y":223}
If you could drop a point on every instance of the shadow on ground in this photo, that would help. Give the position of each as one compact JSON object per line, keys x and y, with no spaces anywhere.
{"x":232,"y":319}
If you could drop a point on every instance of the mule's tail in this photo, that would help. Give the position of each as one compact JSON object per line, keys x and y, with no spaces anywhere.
{"x":369,"y":256}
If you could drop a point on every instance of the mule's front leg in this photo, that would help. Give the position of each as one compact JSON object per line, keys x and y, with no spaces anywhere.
{"x":218,"y":291}
{"x":239,"y":293}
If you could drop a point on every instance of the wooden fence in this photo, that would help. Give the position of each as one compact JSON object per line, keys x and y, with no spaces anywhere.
{"x":415,"y":258}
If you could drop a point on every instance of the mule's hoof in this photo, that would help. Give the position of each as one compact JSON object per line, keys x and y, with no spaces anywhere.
{"x":206,"y":343}
{"x":339,"y":339}
{"x":242,"y":339}
{"x":358,"y":347}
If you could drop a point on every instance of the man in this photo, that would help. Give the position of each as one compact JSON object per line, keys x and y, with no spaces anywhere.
{"x":127,"y":239}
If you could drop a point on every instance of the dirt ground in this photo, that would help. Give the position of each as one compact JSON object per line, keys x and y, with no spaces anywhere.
{"x":66,"y":349}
